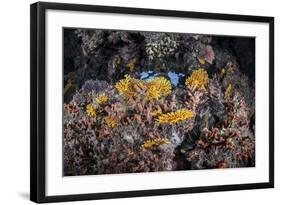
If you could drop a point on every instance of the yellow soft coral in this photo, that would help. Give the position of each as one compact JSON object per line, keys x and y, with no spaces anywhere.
{"x":91,"y":110}
{"x":161,"y":84}
{"x":173,"y":117}
{"x":152,"y":92}
{"x":124,"y":87}
{"x":156,"y":141}
{"x":157,"y":87}
{"x":110,"y":121}
{"x":101,"y":98}
{"x":197,"y":79}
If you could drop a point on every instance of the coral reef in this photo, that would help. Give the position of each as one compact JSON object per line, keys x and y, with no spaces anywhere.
{"x":148,"y":101}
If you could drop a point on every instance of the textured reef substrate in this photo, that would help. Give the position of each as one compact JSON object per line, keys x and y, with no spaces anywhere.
{"x":147,"y":101}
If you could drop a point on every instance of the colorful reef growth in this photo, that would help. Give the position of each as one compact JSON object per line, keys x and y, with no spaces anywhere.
{"x":148,"y":101}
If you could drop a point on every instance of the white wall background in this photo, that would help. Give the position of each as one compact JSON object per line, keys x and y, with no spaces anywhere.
{"x":14,"y":100}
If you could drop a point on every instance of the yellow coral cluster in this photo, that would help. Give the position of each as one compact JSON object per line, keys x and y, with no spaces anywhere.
{"x":156,"y":141}
{"x":151,"y":89}
{"x":101,"y":98}
{"x":173,"y":117}
{"x":91,"y":110}
{"x":197,"y":79}
{"x":124,"y":87}
{"x":158,"y":86}
{"x":111,"y":121}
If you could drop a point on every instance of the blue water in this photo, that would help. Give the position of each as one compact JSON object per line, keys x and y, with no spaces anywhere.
{"x":174,"y":77}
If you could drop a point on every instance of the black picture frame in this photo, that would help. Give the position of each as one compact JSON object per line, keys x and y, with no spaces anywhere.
{"x":38,"y":101}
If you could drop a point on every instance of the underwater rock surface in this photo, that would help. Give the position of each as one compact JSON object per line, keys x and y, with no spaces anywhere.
{"x":148,"y":101}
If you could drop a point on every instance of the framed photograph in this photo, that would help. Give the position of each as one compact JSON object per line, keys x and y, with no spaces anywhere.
{"x":129,"y":102}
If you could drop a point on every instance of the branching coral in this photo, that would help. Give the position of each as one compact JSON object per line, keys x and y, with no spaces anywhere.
{"x":174,"y":117}
{"x":91,"y":110}
{"x":197,"y":79}
{"x":156,"y":141}
{"x":101,"y":98}
{"x":230,"y":140}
